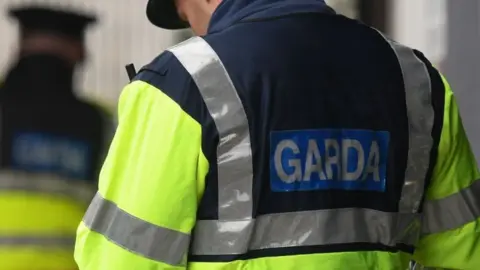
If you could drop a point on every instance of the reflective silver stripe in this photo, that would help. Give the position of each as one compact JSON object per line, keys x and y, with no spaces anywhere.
{"x":46,"y":183}
{"x":420,"y":119}
{"x":41,"y":241}
{"x":453,"y":211}
{"x":300,"y":229}
{"x":136,"y":235}
{"x":234,"y":153}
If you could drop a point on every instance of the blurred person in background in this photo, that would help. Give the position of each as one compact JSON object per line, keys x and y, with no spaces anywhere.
{"x":52,"y":144}
{"x":283,"y":137}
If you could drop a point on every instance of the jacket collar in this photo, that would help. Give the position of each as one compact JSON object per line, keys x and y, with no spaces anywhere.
{"x":230,"y":12}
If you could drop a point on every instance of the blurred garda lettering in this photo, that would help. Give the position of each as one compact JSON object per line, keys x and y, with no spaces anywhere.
{"x":40,"y":152}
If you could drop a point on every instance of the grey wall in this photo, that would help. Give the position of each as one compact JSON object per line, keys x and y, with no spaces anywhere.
{"x":461,"y":65}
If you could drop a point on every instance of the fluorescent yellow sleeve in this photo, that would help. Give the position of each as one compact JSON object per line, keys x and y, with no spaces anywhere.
{"x":455,"y":174}
{"x":153,"y":176}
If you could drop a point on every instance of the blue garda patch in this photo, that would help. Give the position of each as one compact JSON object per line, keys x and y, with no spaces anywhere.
{"x":46,"y":153}
{"x":324,"y":159}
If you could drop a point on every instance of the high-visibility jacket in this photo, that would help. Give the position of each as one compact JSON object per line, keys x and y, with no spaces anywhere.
{"x":52,"y":146}
{"x":290,"y":138}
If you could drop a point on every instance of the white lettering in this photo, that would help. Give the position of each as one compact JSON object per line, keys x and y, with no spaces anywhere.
{"x":348,"y":144}
{"x":347,"y":155}
{"x":313,"y":162}
{"x":295,"y":163}
{"x":332,"y":160}
{"x":373,"y":163}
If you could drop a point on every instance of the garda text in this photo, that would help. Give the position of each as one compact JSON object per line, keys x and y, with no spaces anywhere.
{"x":328,"y":159}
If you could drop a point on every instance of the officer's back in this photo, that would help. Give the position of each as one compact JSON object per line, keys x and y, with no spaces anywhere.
{"x":52,"y":143}
{"x":326,"y":108}
{"x":39,"y":106}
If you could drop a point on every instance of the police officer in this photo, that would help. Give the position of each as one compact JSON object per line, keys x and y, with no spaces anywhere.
{"x":51,"y":142}
{"x":283,"y":137}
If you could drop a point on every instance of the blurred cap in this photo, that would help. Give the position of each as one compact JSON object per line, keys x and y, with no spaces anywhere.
{"x":163,"y":13}
{"x":55,"y":21}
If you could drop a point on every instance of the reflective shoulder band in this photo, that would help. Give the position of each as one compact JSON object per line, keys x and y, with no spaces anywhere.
{"x":420,"y":113}
{"x":453,"y":211}
{"x":136,"y":235}
{"x":234,"y":153}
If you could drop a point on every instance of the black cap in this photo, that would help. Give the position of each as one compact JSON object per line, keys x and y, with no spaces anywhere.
{"x":163,"y":13}
{"x":47,"y":19}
